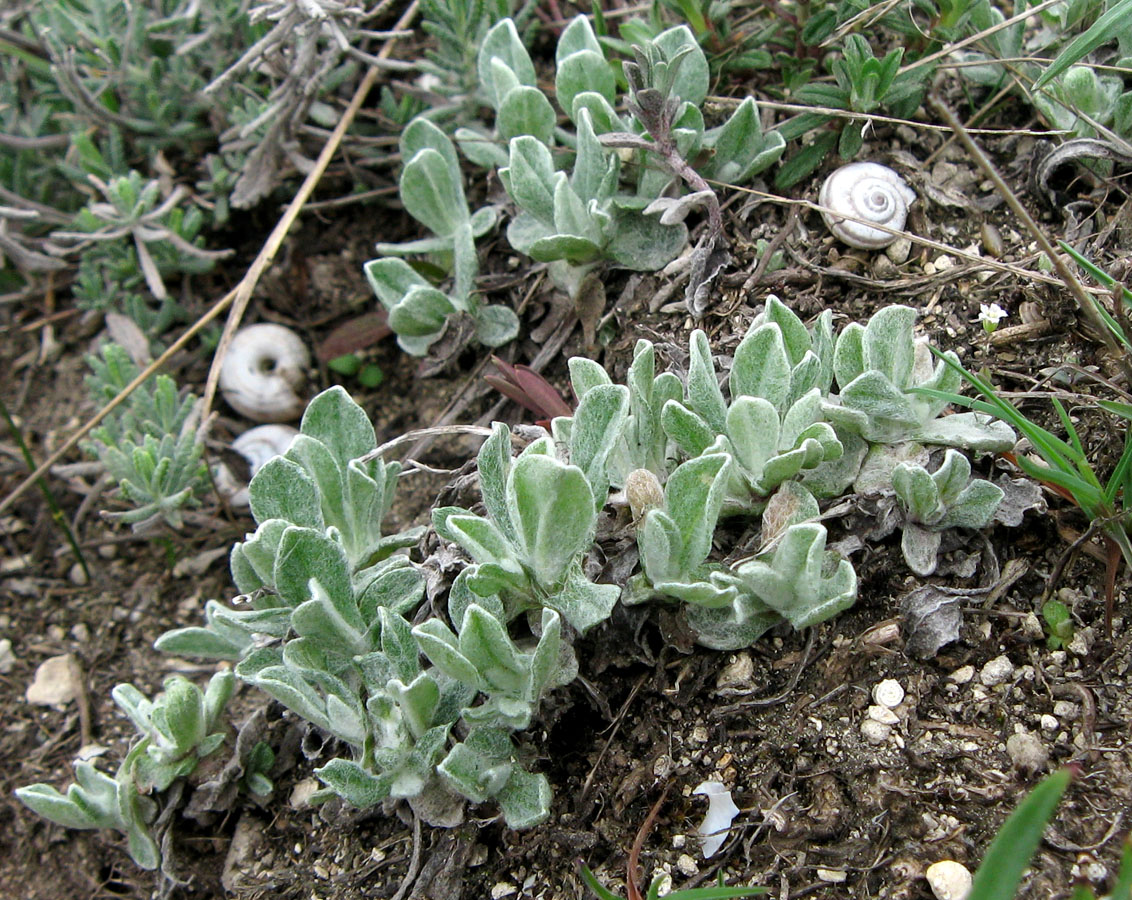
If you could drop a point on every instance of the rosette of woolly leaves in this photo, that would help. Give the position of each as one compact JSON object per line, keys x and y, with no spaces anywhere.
{"x":179,"y":727}
{"x":740,"y":148}
{"x":581,"y":219}
{"x":674,"y":538}
{"x":774,"y":427}
{"x":641,"y":442}
{"x":96,"y":800}
{"x":482,"y":655}
{"x":485,"y":766}
{"x":351,"y":667}
{"x":508,"y":84}
{"x":325,"y":486}
{"x":936,"y":501}
{"x":541,"y":518}
{"x":879,"y":367}
{"x":798,"y":579}
{"x":432,"y":192}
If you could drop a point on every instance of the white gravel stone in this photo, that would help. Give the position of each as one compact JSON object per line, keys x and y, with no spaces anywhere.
{"x":7,"y":657}
{"x":997,"y":671}
{"x":875,"y":732}
{"x":502,"y":889}
{"x":687,"y":865}
{"x":831,"y":876}
{"x":1027,"y":753}
{"x":883,"y":714}
{"x":302,"y":792}
{"x":56,"y":682}
{"x":949,"y":880}
{"x":1066,"y":709}
{"x":1049,"y":724}
{"x":888,"y":693}
{"x":738,"y":673}
{"x":962,"y":675}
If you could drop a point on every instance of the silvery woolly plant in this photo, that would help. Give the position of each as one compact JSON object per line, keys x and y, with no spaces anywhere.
{"x":880,"y":366}
{"x":324,"y":485}
{"x":178,"y":728}
{"x":641,"y":442}
{"x":936,"y":501}
{"x":149,"y":445}
{"x":774,"y":427}
{"x":432,"y":192}
{"x":542,"y":515}
{"x":597,"y":208}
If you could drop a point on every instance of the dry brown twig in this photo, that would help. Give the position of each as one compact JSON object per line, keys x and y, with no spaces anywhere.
{"x":239,"y":296}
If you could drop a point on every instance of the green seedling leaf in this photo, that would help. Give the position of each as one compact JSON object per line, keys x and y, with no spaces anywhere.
{"x":1010,"y":852}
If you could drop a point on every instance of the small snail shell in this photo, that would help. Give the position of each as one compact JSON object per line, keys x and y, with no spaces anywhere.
{"x":256,"y":445}
{"x":265,"y":366}
{"x":868,"y":191}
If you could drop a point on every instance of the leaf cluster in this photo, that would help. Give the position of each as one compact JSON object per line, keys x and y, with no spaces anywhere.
{"x":178,"y":728}
{"x":149,"y":445}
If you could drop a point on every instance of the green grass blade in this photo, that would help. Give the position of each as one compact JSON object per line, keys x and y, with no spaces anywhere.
{"x":1122,"y":890}
{"x":596,"y":886}
{"x":1102,"y":30}
{"x":1017,"y":840}
{"x":717,"y":893}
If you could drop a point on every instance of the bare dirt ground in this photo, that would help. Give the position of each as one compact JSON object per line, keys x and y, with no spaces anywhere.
{"x":840,"y":797}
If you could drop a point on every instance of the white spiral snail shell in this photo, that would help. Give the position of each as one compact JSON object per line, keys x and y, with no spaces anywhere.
{"x":265,"y":367}
{"x":257,"y":446}
{"x":867,"y":191}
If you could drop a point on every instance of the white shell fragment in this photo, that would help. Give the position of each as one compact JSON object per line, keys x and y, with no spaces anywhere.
{"x":888,"y":693}
{"x":721,"y":811}
{"x":263,"y":372}
{"x":868,"y":191}
{"x":256,"y":445}
{"x":949,"y":880}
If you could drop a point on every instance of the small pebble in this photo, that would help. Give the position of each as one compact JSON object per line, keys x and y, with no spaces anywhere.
{"x":831,"y":876}
{"x":687,"y":865}
{"x":962,"y":675}
{"x":943,"y":263}
{"x":949,"y":880}
{"x":883,"y":714}
{"x":888,"y":693}
{"x":664,"y":886}
{"x":56,"y":682}
{"x":678,"y":841}
{"x":875,"y":732}
{"x":1079,"y":645}
{"x":1049,"y":724}
{"x":1066,"y":709}
{"x":77,"y":575}
{"x":997,"y":671}
{"x":1027,"y":753}
{"x":898,"y":250}
{"x":699,"y":735}
{"x":1032,"y":628}
{"x":302,"y":792}
{"x":502,"y":889}
{"x":991,"y":239}
{"x":738,"y":673}
{"x":7,"y":657}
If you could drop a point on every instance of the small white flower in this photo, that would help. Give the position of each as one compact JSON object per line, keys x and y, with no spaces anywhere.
{"x":991,"y":315}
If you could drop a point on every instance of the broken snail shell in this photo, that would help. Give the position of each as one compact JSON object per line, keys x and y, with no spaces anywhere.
{"x":263,"y":372}
{"x":867,"y":191}
{"x":256,"y":445}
